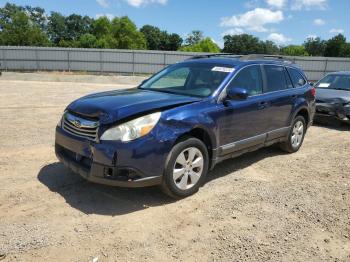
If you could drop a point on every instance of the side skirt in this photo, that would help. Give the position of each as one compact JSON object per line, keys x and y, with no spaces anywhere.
{"x":241,"y":147}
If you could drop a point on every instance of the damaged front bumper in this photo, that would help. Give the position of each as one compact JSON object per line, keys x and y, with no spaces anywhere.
{"x":137,"y":164}
{"x":335,"y":110}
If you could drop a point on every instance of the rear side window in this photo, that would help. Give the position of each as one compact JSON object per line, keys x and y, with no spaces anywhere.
{"x":297,"y":79}
{"x":275,"y":78}
{"x":249,"y":78}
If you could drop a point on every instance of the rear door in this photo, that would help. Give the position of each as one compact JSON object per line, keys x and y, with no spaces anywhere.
{"x":280,"y":96}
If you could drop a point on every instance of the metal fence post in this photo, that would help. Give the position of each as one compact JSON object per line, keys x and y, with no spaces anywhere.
{"x":101,"y":66}
{"x":68,"y":57}
{"x":133,"y":63}
{"x":4,"y":56}
{"x":37,"y":59}
{"x":164,"y":61}
{"x":325,"y":67}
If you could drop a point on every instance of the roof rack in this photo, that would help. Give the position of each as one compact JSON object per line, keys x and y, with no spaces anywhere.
{"x":268,"y":57}
{"x":246,"y":57}
{"x":215,"y":55}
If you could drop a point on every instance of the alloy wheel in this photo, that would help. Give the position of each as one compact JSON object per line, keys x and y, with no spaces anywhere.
{"x":188,"y":168}
{"x":297,"y":134}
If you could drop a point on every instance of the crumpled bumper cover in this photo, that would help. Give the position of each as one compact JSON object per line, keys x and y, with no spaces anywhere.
{"x":129,"y":165}
{"x":337,"y":110}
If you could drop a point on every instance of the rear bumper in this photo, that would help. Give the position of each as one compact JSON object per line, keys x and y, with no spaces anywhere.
{"x":105,"y":164}
{"x":338,"y":111}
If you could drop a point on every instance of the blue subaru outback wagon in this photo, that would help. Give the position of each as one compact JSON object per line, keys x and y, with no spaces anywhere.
{"x":184,"y":120}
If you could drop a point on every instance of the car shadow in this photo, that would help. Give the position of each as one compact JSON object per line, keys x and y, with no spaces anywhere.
{"x":92,"y":198}
{"x":232,"y":165}
{"x":331,"y":123}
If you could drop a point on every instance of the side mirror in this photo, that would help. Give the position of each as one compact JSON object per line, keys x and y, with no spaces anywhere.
{"x":237,"y":93}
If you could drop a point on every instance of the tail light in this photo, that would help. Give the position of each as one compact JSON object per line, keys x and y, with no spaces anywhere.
{"x":313,"y":91}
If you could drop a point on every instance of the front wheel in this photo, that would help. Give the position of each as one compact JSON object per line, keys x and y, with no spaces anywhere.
{"x":296,"y":136}
{"x":186,"y":168}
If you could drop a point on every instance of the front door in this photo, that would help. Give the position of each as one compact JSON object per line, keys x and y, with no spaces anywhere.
{"x":242,"y":123}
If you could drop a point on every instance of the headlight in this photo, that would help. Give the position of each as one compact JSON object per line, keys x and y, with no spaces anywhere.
{"x":133,"y":129}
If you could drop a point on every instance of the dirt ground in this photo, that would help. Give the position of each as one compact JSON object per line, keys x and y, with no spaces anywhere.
{"x":263,"y":206}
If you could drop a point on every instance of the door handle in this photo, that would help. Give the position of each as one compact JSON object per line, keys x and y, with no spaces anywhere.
{"x":293,"y":96}
{"x":263,"y":105}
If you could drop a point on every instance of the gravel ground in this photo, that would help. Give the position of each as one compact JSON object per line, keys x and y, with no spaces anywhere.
{"x":263,"y":206}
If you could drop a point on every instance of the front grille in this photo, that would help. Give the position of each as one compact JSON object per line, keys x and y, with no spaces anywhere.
{"x":80,"y":127}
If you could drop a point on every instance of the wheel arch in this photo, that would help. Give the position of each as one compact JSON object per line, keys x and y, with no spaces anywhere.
{"x":301,"y":111}
{"x":304,"y":112}
{"x":205,"y":136}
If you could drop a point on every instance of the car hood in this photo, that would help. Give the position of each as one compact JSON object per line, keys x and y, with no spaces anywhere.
{"x":324,"y":95}
{"x":113,"y":106}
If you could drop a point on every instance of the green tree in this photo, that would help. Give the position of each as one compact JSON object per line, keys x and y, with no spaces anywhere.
{"x":270,"y":48}
{"x":7,"y":12}
{"x":160,"y":40}
{"x":22,"y":32}
{"x":88,"y":41}
{"x":294,"y":50}
{"x":174,"y":42}
{"x":125,"y":32}
{"x":335,"y":45}
{"x":242,"y":44}
{"x":37,"y":16}
{"x":206,"y":45}
{"x":194,"y":37}
{"x":315,"y":46}
{"x":56,"y":28}
{"x":101,"y":27}
{"x":153,"y":36}
{"x":345,"y":51}
{"x":76,"y":26}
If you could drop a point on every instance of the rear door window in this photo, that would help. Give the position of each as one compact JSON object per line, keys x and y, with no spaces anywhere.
{"x":275,"y":78}
{"x":297,"y":79}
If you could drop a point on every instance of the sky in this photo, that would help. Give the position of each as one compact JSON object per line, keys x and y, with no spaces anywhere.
{"x":282,"y":21}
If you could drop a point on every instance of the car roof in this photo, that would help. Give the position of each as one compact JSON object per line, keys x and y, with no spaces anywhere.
{"x":239,"y":61}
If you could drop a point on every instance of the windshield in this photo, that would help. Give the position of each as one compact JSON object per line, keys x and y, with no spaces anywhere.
{"x":192,"y":79}
{"x":341,"y":82}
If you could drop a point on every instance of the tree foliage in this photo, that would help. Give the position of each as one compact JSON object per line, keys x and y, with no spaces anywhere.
{"x":21,"y":31}
{"x":160,"y":40}
{"x":294,"y":50}
{"x":315,"y":46}
{"x":207,"y":45}
{"x":335,"y":46}
{"x":194,"y":37}
{"x":32,"y":26}
{"x":242,"y":44}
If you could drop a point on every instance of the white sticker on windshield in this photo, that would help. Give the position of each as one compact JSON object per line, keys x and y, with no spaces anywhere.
{"x":324,"y":85}
{"x":223,"y":69}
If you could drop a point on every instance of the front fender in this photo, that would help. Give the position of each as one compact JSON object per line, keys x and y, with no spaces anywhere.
{"x":179,"y":121}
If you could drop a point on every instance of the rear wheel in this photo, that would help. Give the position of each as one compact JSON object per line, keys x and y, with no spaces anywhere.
{"x":186,"y":168}
{"x":296,"y":136}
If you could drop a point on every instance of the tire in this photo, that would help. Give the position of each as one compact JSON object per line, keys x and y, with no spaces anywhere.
{"x":295,"y":136}
{"x":184,"y":172}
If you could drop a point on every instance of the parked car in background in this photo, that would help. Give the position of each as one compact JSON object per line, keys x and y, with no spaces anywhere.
{"x":333,"y":96}
{"x":184,"y":120}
